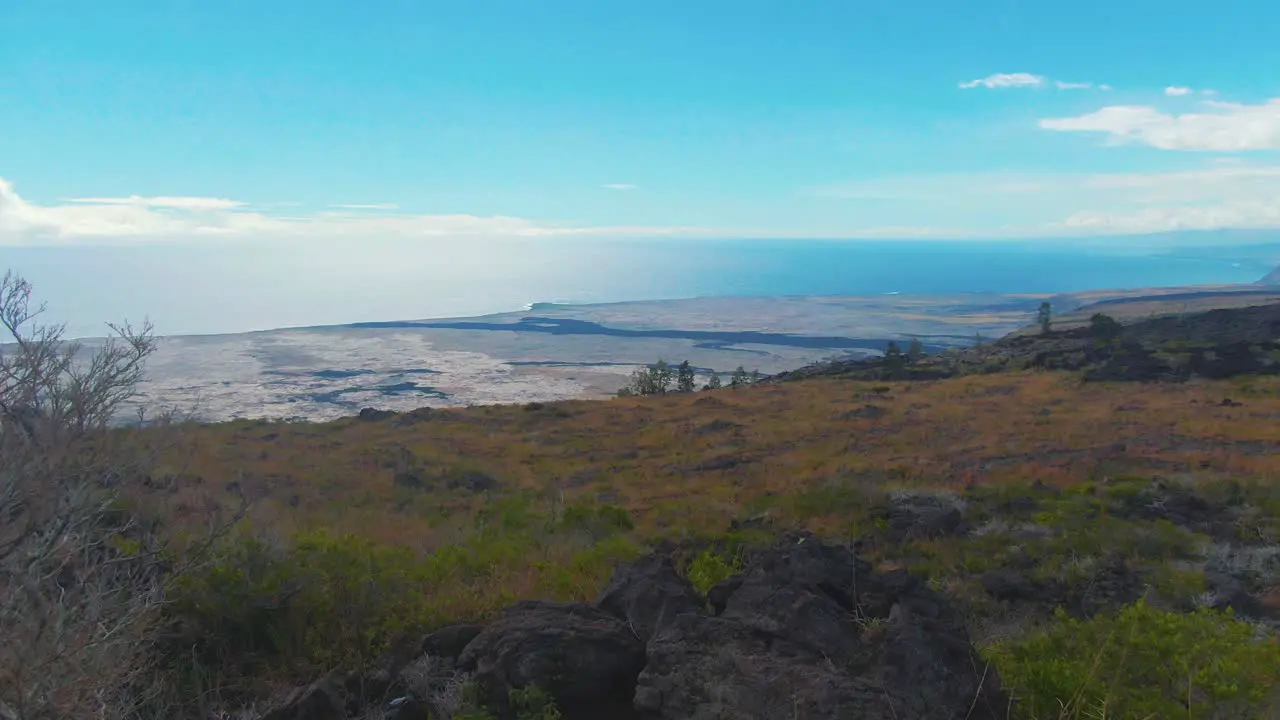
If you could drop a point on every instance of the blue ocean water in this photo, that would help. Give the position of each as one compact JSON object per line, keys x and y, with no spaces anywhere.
{"x":214,"y":288}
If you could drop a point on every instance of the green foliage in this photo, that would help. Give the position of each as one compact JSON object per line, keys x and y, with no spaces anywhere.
{"x":740,"y":378}
{"x":1104,"y":328}
{"x":323,"y":602}
{"x":894,"y":360}
{"x":713,"y":382}
{"x":599,"y":522}
{"x":837,"y":497}
{"x":326,"y":601}
{"x":533,"y":703}
{"x":685,"y":378}
{"x":708,"y":568}
{"x":915,"y":349}
{"x":1142,"y":663}
{"x":654,"y":379}
{"x":1044,"y":317}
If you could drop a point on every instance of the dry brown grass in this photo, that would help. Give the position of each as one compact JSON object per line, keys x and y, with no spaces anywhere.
{"x":685,"y":466}
{"x":701,"y":459}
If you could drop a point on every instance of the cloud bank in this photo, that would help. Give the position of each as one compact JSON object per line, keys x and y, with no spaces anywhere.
{"x":1005,"y":80}
{"x":1216,"y":195}
{"x":158,"y":219}
{"x":1026,"y":80}
{"x":1221,"y":127}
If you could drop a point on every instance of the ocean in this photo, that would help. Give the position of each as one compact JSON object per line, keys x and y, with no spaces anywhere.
{"x":239,"y":287}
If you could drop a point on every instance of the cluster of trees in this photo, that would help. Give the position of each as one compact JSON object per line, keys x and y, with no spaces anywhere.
{"x":661,"y":378}
{"x":1104,"y":328}
{"x":896,"y":359}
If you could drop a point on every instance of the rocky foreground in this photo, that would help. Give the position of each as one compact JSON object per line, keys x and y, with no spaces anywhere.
{"x":806,"y":630}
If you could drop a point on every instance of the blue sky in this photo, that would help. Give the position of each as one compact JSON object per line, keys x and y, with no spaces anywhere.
{"x":181,"y":121}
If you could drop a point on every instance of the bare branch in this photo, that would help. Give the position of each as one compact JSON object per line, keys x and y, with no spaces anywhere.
{"x":80,"y":587}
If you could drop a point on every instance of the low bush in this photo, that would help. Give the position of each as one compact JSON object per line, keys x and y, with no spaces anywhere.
{"x":323,"y":602}
{"x":708,"y":568}
{"x":1141,"y":662}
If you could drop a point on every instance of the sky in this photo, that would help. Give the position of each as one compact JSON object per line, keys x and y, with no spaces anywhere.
{"x":177,"y":121}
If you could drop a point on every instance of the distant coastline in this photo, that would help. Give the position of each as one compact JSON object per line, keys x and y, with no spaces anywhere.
{"x":227,"y":289}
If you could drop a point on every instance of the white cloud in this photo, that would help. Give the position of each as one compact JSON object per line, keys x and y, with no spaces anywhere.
{"x":183,"y":203}
{"x":619,"y":186}
{"x":165,"y":219}
{"x":1006,"y":80}
{"x":1175,"y":91}
{"x":1225,"y":127}
{"x":1022,"y":79}
{"x":369,"y":206}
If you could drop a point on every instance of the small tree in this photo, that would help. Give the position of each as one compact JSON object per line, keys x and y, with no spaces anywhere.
{"x":80,"y":583}
{"x":1044,"y":316}
{"x":1104,"y":328}
{"x":685,"y":380}
{"x":977,"y":339}
{"x":653,"y":379}
{"x":894,"y":360}
{"x":915,"y":349}
{"x":739,"y":378}
{"x":713,"y":382}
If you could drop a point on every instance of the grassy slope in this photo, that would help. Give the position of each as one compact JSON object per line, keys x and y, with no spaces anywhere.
{"x":684,"y":465}
{"x":1044,"y":465}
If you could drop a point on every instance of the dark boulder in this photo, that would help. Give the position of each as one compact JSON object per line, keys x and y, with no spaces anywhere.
{"x":805,"y":631}
{"x":805,"y":560}
{"x":1112,"y":585}
{"x":585,"y":658}
{"x":1009,"y":585}
{"x":710,"y":668}
{"x":811,"y":620}
{"x":790,"y":643}
{"x":921,"y":516}
{"x":374,"y":414}
{"x":450,"y":641}
{"x":649,"y":593}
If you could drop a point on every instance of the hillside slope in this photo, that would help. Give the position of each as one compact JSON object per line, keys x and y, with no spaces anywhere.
{"x":1017,"y":519}
{"x":1215,"y":344}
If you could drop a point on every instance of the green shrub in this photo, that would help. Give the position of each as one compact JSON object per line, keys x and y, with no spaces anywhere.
{"x":599,"y":522}
{"x":1141,"y":663}
{"x":533,"y":703}
{"x":323,"y":602}
{"x":708,"y":568}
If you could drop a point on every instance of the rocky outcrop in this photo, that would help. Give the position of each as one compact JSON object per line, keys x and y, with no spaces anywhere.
{"x":649,"y":594}
{"x":805,"y":631}
{"x":587,"y":659}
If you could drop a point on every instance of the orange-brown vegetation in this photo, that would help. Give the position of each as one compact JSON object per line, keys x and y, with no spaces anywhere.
{"x":700,"y":460}
{"x":362,"y":529}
